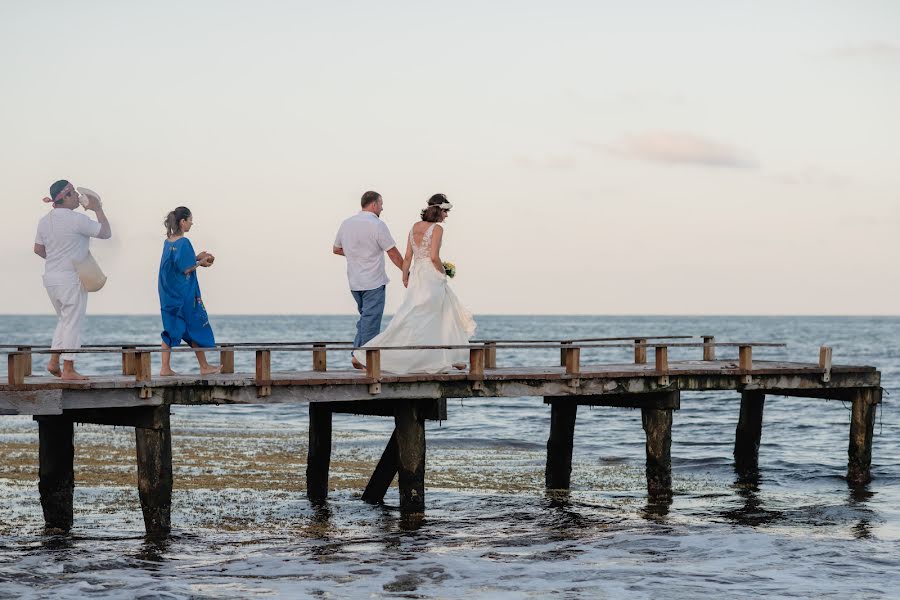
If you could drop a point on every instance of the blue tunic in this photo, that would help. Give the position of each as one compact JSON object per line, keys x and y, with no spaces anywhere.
{"x":183,"y":314}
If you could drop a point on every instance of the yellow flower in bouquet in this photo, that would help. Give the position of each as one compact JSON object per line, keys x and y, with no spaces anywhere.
{"x":450,"y":268}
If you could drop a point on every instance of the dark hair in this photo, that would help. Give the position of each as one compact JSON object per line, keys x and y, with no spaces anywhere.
{"x":173,"y":220}
{"x":432,"y":214}
{"x":56,"y":188}
{"x":369,"y":197}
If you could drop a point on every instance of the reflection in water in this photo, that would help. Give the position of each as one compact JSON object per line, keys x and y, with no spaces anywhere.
{"x":657,"y":508}
{"x":153,"y":550}
{"x":751,"y":512}
{"x":859,"y":496}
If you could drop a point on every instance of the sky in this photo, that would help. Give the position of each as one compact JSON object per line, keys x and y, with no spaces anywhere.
{"x":692,"y":157}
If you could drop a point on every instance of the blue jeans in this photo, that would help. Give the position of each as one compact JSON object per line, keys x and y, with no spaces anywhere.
{"x":370,"y":304}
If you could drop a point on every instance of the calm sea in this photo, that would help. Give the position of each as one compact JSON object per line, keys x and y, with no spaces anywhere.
{"x":243,"y":527}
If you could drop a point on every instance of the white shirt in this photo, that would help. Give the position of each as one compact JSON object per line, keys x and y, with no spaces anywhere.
{"x":365,"y":238}
{"x":66,"y":236}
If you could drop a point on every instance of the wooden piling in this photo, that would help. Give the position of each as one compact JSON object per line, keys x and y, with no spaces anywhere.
{"x":226,"y":359}
{"x":56,"y":474}
{"x":749,"y":433}
{"x":384,"y":472}
{"x":154,"y":462}
{"x":557,"y":474}
{"x":320,"y":358}
{"x":318,"y":458}
{"x":709,"y":351}
{"x":409,"y":426}
{"x":657,"y":423}
{"x":640,"y":351}
{"x":862,"y":425}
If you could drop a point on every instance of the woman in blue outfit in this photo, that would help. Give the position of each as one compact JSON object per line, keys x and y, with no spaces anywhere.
{"x":183,"y":314}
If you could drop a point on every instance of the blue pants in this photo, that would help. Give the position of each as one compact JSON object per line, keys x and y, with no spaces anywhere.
{"x":370,"y":304}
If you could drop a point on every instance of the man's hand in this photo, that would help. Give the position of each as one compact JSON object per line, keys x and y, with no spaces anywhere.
{"x":93,"y":203}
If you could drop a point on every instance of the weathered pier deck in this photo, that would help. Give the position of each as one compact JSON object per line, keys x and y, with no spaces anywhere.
{"x":140,"y":399}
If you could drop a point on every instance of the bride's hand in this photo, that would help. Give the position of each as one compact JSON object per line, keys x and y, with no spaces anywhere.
{"x":406,"y":280}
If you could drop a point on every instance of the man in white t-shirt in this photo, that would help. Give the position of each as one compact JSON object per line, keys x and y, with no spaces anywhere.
{"x":63,"y":238}
{"x":364,"y":239}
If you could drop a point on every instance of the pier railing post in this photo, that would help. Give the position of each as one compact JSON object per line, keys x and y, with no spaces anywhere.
{"x":661,"y":357}
{"x":749,"y":433}
{"x":56,"y":473}
{"x":862,"y":425}
{"x":562,"y":353}
{"x":15,"y":368}
{"x":709,"y":350}
{"x":558,"y":472}
{"x":409,"y":425}
{"x":263,"y":373}
{"x":128,"y":360}
{"x":373,"y":370}
{"x":26,"y":353}
{"x":476,"y":367}
{"x":657,"y":423}
{"x":226,"y":359}
{"x":318,"y":458}
{"x":154,"y":460}
{"x":320,"y":358}
{"x":490,"y":355}
{"x":572,"y":361}
{"x":640,"y":351}
{"x":142,"y":371}
{"x":825,"y":362}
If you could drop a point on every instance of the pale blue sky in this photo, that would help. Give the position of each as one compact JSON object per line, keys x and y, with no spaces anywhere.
{"x":654,"y":157}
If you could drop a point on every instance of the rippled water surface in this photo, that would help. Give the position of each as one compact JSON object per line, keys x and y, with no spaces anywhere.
{"x":244,"y":528}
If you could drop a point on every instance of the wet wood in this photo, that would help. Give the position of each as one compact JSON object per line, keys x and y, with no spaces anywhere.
{"x":318,"y":460}
{"x":154,"y":462}
{"x":320,"y":358}
{"x":749,"y":433}
{"x":862,"y":426}
{"x":387,"y":468}
{"x":558,"y":471}
{"x":657,"y":425}
{"x":410,"y":429}
{"x":56,"y":475}
{"x":226,"y":360}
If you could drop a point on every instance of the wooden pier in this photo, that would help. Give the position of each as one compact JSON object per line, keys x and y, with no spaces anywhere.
{"x":137,"y":398}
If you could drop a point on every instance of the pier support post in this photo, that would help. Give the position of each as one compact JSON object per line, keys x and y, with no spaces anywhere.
{"x":657,"y":424}
{"x":409,"y":426}
{"x":749,"y":432}
{"x":319,"y":453}
{"x":57,"y":478}
{"x":384,"y":473}
{"x":559,"y":445}
{"x":862,"y":425}
{"x":154,"y":460}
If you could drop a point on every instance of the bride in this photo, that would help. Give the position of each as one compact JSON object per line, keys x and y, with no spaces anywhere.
{"x":430,"y":314}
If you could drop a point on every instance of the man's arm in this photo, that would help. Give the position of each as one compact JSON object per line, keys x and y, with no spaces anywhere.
{"x":105,"y":228}
{"x":395,"y":257}
{"x":337,"y":250}
{"x":40,"y":250}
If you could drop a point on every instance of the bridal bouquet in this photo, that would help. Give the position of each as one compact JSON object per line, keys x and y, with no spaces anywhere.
{"x":450,"y":268}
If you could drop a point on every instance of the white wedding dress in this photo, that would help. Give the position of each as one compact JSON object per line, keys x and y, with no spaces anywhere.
{"x":430,"y":315}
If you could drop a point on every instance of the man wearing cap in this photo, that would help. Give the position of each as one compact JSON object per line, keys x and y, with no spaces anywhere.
{"x":63,"y":239}
{"x":363,"y":240}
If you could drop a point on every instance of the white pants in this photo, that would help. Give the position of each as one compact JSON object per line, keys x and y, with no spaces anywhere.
{"x":70,"y":303}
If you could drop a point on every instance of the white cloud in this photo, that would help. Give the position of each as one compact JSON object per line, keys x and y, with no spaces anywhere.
{"x":815,"y":176}
{"x":868,"y":50}
{"x":681,"y":148}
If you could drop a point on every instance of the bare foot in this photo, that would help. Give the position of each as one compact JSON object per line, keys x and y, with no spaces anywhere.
{"x":459,"y":366}
{"x":210,"y":370}
{"x":167,"y":373}
{"x":53,"y":369}
{"x":356,"y":364}
{"x":73,"y":376}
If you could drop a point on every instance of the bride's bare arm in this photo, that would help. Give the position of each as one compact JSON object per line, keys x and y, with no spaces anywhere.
{"x":436,"y":238}
{"x":407,"y":262}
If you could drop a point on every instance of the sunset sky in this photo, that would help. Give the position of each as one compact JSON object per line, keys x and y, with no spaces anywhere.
{"x":694,"y":157}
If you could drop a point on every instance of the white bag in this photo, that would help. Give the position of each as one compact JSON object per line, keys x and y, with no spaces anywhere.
{"x":92,"y":277}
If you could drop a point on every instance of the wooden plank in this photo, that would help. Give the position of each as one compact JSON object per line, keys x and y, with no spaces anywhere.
{"x":476,"y":364}
{"x":558,"y":470}
{"x":318,"y":458}
{"x":745,"y":362}
{"x":661,"y":358}
{"x":128,"y":360}
{"x":31,"y":402}
{"x":709,"y":350}
{"x":490,"y":355}
{"x":263,"y":373}
{"x":640,"y":351}
{"x":562,"y":353}
{"x":573,"y":361}
{"x":226,"y":360}
{"x":320,"y":358}
{"x":373,"y":364}
{"x":56,"y":473}
{"x":825,"y":362}
{"x":154,"y":462}
{"x":27,"y":368}
{"x":142,"y":370}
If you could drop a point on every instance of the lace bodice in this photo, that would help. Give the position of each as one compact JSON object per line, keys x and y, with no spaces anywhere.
{"x":422,"y":251}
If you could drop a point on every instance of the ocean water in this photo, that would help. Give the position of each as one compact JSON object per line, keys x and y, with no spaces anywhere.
{"x":244,"y":528}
